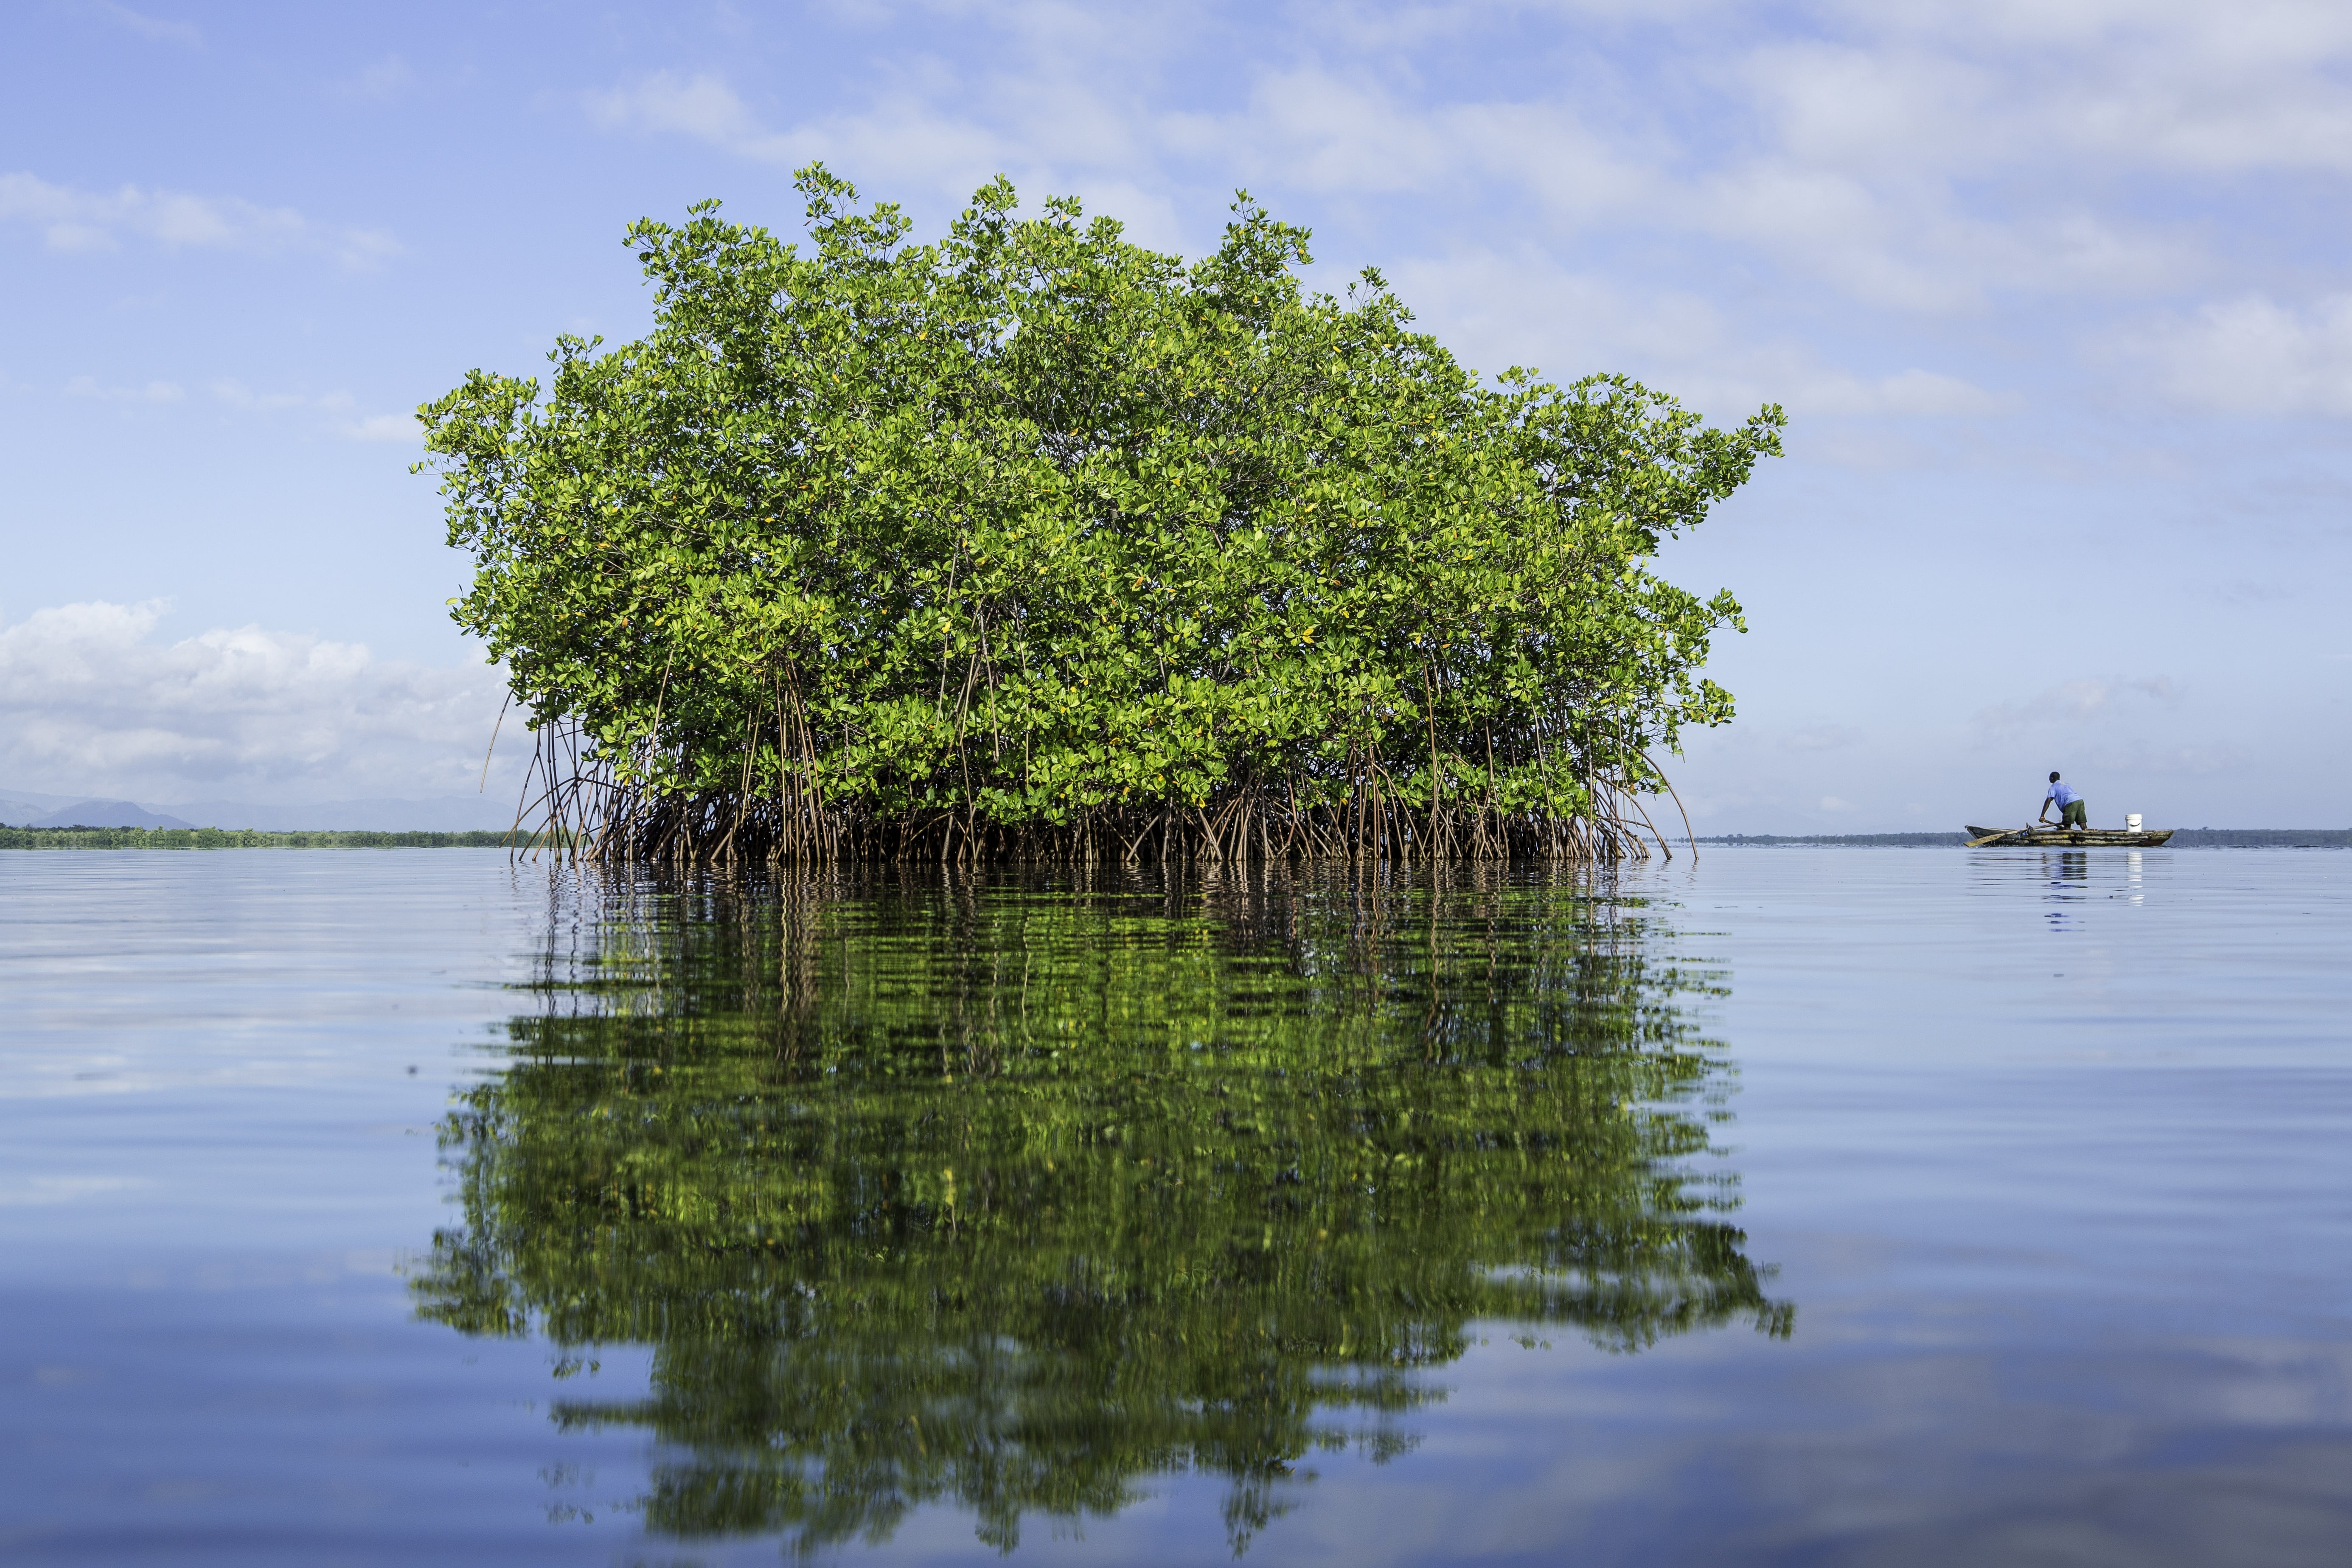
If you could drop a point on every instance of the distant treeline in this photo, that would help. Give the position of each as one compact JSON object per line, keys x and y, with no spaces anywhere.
{"x":236,"y":838}
{"x":1855,"y":840}
{"x":2182,"y":839}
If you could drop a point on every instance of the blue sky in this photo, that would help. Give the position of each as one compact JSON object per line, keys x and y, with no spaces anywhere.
{"x":2055,"y":294}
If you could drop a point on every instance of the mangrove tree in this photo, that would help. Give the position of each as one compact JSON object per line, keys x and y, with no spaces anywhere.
{"x":1033,"y":540}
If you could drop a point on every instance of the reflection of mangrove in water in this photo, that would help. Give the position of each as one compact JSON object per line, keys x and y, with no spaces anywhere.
{"x":1017,"y":1195}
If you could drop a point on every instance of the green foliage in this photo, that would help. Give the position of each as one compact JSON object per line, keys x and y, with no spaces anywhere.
{"x":1015,"y":1195}
{"x":1034,"y":529}
{"x":237,"y":839}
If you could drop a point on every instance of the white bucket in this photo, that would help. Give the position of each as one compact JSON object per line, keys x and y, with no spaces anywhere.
{"x":2131,"y":822}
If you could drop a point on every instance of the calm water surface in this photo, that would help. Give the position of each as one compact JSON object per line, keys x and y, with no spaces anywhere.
{"x":1841,"y":1206}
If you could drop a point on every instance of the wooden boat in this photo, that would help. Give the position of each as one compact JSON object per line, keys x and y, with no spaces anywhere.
{"x":2064,"y":838}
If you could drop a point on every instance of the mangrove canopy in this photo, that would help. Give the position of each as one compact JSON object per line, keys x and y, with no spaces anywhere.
{"x":1033,"y":540}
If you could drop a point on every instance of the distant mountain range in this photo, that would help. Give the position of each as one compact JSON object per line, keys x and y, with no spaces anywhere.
{"x":104,"y":814}
{"x":445,"y":814}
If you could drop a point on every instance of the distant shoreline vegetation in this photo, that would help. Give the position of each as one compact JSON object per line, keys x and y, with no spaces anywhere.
{"x":2182,"y":839}
{"x":1033,"y":543}
{"x":241,"y":838}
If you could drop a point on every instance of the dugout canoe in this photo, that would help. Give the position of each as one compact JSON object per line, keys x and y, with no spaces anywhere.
{"x":2064,"y":838}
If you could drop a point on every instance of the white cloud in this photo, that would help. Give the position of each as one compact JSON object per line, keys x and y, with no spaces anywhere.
{"x":1911,"y":244}
{"x":1912,"y":177}
{"x":2252,"y":355}
{"x":2148,"y":84}
{"x":2075,"y":703}
{"x":239,"y":396}
{"x":1501,"y":310}
{"x":1922,"y":394}
{"x":154,"y":29}
{"x":153,"y":391}
{"x":1350,"y":134}
{"x":380,"y":81}
{"x":2207,"y":761}
{"x":234,"y":394}
{"x":89,"y":702}
{"x":703,"y":107}
{"x":75,"y":220}
{"x":384,"y":428}
{"x":902,"y":136}
{"x":1925,"y":157}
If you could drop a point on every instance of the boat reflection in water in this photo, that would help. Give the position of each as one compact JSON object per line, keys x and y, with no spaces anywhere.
{"x":1013,"y":1194}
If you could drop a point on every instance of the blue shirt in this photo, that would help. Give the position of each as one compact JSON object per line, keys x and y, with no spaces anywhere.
{"x":2064,"y":794}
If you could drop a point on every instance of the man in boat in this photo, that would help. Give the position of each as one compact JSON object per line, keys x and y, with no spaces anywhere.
{"x":2072,"y":813}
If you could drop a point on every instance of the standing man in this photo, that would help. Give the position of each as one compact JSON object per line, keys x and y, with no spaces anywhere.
{"x":2072,"y":813}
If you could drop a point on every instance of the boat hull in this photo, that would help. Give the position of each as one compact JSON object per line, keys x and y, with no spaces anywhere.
{"x":2064,"y":838}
